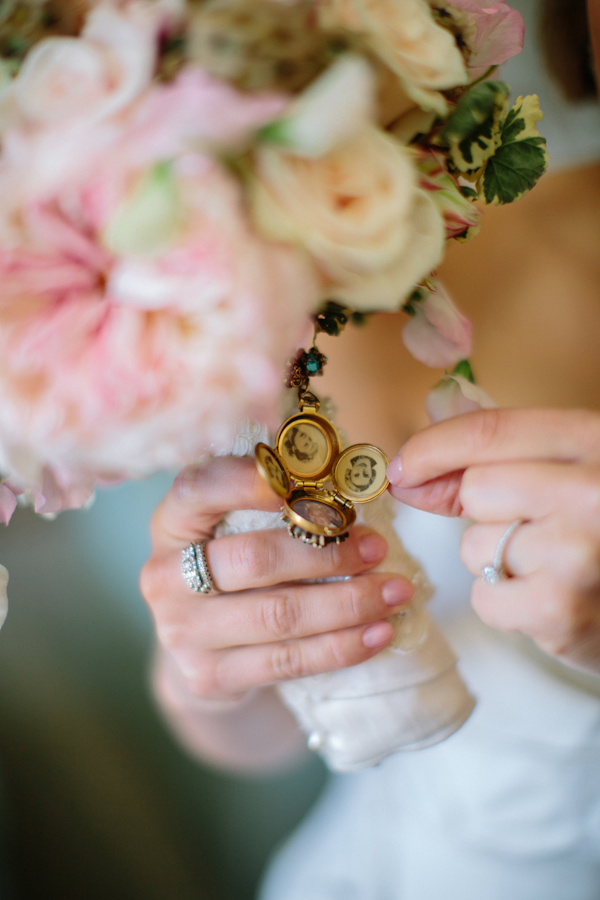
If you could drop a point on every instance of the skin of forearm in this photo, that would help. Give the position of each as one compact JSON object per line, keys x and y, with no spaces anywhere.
{"x":256,"y":735}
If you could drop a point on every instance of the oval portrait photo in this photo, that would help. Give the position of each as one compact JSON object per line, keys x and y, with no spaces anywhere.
{"x":304,"y":447}
{"x":360,"y":472}
{"x":318,"y":513}
{"x":272,"y":469}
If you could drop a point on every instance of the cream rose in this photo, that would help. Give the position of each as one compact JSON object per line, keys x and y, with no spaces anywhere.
{"x":359,"y":213}
{"x":92,"y":76}
{"x":404,"y":35}
{"x":335,"y":108}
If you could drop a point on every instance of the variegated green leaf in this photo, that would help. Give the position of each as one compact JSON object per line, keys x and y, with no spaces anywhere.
{"x":520,"y":160}
{"x":472,"y":133}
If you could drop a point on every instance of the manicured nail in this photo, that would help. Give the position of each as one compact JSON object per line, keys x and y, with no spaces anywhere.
{"x":397,"y":592}
{"x":378,"y":635}
{"x":394,"y":470}
{"x":187,"y":483}
{"x":372,"y":548}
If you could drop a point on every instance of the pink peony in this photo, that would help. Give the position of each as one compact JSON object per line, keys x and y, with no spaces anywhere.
{"x":498,"y":33}
{"x":192,"y":113}
{"x":98,"y":382}
{"x":437,"y":334}
{"x":141,"y":318}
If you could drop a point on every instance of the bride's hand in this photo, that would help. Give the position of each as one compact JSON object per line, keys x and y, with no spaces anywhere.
{"x":541,"y":466}
{"x":265,"y":625}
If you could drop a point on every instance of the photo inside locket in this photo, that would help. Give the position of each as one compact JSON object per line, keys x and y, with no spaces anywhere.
{"x":304,"y":447}
{"x":275,"y":471}
{"x":318,"y":513}
{"x":361,"y":472}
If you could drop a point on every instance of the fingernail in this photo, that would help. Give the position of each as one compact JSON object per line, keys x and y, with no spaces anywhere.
{"x":394,"y":470}
{"x":378,"y":635}
{"x":397,"y":592}
{"x":188,"y":483}
{"x":372,"y":548}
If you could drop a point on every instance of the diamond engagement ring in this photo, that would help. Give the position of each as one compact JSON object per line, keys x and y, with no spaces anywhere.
{"x":496,"y":572}
{"x":194,"y":568}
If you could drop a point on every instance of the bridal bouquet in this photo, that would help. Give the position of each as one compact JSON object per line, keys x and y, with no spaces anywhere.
{"x":183,"y":185}
{"x":188,"y":188}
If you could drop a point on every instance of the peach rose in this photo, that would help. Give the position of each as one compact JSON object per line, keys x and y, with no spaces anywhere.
{"x":405,"y":36}
{"x":359,"y":213}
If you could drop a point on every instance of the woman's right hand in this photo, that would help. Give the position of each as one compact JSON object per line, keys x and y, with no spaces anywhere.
{"x":266,"y":625}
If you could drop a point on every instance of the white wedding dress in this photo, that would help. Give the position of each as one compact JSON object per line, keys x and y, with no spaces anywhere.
{"x":508,"y":808}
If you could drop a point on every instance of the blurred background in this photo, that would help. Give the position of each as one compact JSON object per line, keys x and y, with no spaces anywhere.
{"x":96,"y":799}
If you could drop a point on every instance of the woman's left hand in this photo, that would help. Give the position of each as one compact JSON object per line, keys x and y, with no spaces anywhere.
{"x":541,"y":466}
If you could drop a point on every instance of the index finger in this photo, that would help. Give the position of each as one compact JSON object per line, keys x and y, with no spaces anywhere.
{"x":202,"y":494}
{"x":496,"y":435}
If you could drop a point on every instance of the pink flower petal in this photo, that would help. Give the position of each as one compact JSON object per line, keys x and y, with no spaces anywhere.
{"x":453,"y":396}
{"x":8,"y":503}
{"x":500,"y":32}
{"x":438,"y":335}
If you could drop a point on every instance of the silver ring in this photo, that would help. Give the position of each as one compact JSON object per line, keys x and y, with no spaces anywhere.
{"x":496,"y":571}
{"x":194,"y":568}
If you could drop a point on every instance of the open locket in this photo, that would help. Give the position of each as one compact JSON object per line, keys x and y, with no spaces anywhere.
{"x":305,"y":458}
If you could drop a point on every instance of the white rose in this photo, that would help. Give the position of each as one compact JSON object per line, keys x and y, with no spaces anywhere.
{"x":358,"y":211}
{"x":335,"y":107}
{"x":404,"y":35}
{"x":91,"y":76}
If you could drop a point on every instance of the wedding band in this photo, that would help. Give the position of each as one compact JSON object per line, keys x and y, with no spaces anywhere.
{"x":194,"y":568}
{"x":496,"y":571}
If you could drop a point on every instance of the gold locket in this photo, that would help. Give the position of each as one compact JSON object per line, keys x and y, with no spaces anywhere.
{"x":307,"y":456}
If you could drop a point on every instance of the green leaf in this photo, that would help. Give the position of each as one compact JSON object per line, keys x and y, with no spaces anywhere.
{"x":464,"y":368}
{"x":520,"y":160}
{"x":273,"y":133}
{"x":472,"y":132}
